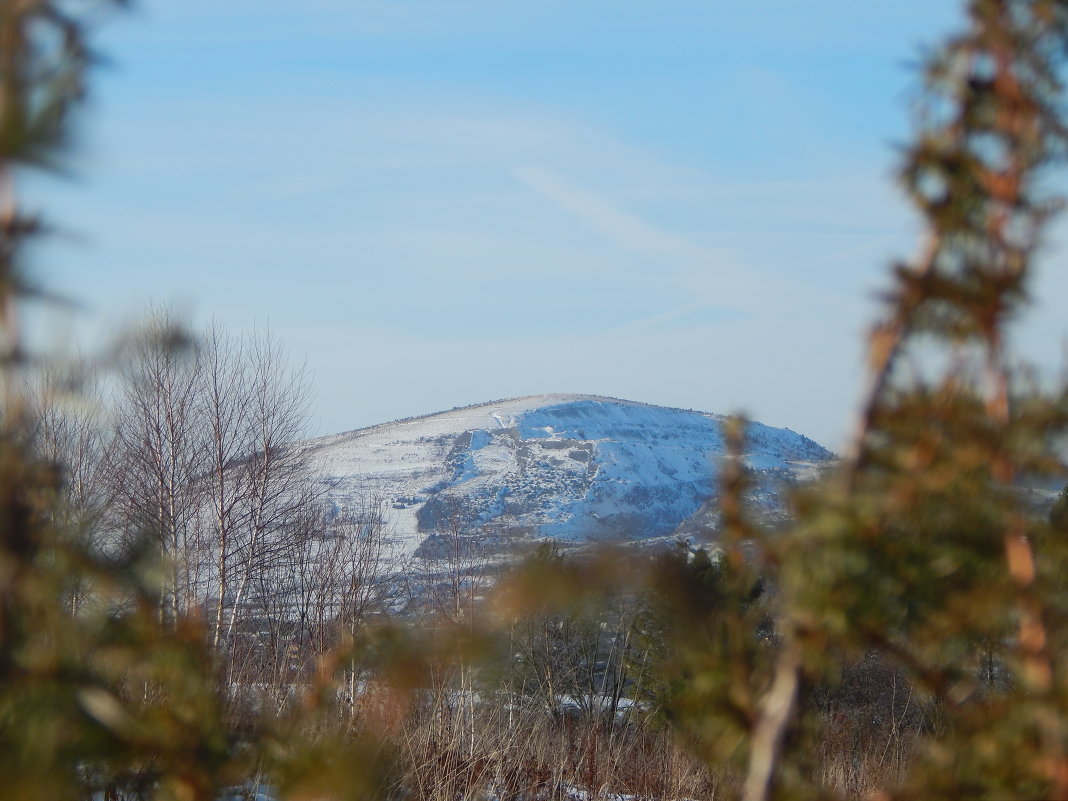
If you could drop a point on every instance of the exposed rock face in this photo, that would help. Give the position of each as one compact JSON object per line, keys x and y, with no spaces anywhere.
{"x":570,"y":467}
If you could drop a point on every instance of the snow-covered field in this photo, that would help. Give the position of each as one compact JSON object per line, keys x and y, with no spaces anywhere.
{"x":577,"y":468}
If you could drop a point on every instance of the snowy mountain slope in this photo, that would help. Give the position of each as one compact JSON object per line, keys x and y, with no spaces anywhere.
{"x":578,"y":468}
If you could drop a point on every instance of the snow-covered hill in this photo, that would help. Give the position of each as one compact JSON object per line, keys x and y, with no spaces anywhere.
{"x":577,"y":468}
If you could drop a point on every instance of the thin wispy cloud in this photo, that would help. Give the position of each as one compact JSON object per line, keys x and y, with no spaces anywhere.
{"x":627,"y":230}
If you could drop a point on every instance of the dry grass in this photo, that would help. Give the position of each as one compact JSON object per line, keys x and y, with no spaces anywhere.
{"x":453,"y":749}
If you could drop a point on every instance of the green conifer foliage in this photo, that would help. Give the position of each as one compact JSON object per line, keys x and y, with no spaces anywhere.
{"x":922,"y":550}
{"x":98,"y":698}
{"x":710,"y":614}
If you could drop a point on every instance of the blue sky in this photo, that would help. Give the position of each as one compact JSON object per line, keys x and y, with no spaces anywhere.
{"x":441,"y":203}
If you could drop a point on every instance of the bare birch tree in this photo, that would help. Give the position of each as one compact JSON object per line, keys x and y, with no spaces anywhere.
{"x":160,"y":451}
{"x":71,"y":434}
{"x":206,"y":461}
{"x":276,"y":480}
{"x":224,"y":406}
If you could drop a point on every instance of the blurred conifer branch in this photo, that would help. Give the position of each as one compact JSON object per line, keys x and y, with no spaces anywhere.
{"x":45,"y":58}
{"x":922,"y":551}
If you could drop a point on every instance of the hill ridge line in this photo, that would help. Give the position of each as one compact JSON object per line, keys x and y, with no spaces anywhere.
{"x":574,"y":396}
